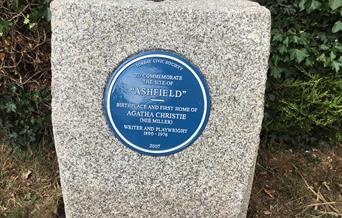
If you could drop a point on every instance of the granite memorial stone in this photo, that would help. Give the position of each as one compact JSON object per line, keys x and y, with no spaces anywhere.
{"x":157,"y":106}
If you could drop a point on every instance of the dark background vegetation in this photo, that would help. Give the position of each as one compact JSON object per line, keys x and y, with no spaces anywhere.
{"x":303,"y":101}
{"x":304,"y":87}
{"x":25,"y":73}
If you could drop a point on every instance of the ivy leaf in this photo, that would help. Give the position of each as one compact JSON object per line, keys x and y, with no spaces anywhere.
{"x":301,"y":5}
{"x":337,"y":27}
{"x":275,"y":72}
{"x":4,"y":25}
{"x":277,"y":37}
{"x":313,"y":5}
{"x":309,"y":5}
{"x":322,"y":58}
{"x":332,"y":55}
{"x":334,"y":4}
{"x":336,"y":65}
{"x":324,"y":47}
{"x":338,"y":47}
{"x":299,"y":54}
{"x":10,"y":107}
{"x":282,"y":49}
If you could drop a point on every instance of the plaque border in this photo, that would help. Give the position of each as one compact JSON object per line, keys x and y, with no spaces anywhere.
{"x":185,"y":63}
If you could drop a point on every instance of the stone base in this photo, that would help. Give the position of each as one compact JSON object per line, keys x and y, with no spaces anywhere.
{"x":100,"y":177}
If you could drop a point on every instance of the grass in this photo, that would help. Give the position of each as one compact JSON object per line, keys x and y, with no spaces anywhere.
{"x":29,"y":183}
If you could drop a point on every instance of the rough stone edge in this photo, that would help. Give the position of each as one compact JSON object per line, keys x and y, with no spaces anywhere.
{"x":240,"y":6}
{"x":247,"y":195}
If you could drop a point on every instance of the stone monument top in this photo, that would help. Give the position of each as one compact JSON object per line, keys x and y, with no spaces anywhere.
{"x":178,"y":5}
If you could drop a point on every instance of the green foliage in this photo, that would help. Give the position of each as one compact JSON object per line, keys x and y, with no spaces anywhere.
{"x":4,"y":26}
{"x":40,"y":12}
{"x":304,"y":90}
{"x":32,"y":13}
{"x":337,"y":27}
{"x":24,"y":73}
{"x":24,"y":115}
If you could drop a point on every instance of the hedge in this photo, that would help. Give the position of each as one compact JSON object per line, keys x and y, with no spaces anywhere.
{"x":25,"y":74}
{"x":303,"y":104}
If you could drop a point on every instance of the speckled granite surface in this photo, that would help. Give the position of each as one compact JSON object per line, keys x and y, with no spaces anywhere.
{"x":100,"y":177}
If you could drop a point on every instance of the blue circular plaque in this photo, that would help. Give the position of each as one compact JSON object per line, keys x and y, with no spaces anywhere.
{"x":157,"y":103}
